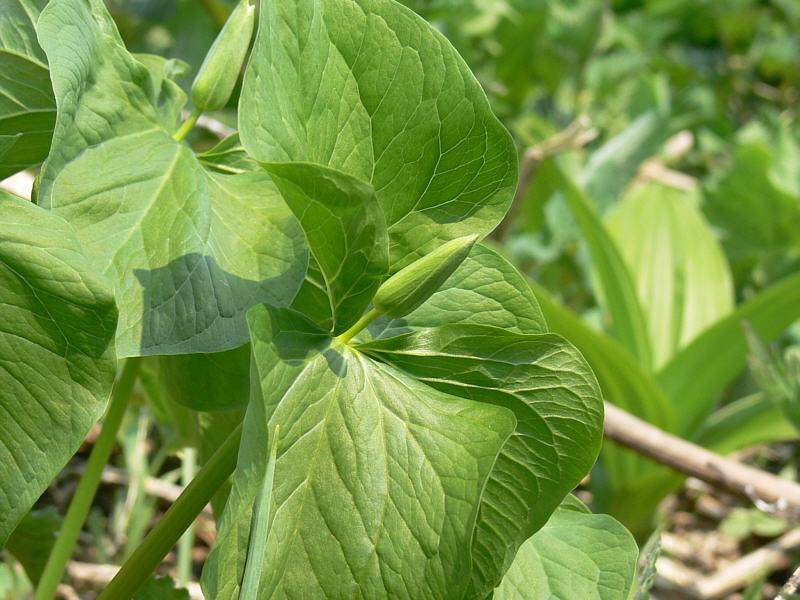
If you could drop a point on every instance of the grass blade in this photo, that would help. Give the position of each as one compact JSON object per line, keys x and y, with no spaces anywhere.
{"x":259,"y":530}
{"x":695,"y":376}
{"x":617,"y":291}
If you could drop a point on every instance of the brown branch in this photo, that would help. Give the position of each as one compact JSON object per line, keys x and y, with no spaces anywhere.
{"x":691,"y":459}
{"x":791,"y":587}
{"x":741,"y":573}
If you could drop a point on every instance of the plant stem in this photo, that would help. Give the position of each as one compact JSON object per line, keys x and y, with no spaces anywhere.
{"x":359,"y":326}
{"x":84,"y":495}
{"x":176,"y":520}
{"x":188,"y":471}
{"x":187,"y":125}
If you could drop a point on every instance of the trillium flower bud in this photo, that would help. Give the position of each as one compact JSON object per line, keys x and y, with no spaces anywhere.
{"x":213,"y":86}
{"x":410,"y":287}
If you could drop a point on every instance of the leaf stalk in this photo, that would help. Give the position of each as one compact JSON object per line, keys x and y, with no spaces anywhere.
{"x":87,"y":488}
{"x":175,"y":522}
{"x":360,"y":325}
{"x":187,"y":125}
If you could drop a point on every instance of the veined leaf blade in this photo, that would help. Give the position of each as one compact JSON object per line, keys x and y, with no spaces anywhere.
{"x":369,"y":88}
{"x":410,"y":463}
{"x":56,"y":352}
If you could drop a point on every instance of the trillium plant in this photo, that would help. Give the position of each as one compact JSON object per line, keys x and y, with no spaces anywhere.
{"x":411,"y":429}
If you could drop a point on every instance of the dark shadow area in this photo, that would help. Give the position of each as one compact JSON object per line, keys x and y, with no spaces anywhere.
{"x":193,"y":305}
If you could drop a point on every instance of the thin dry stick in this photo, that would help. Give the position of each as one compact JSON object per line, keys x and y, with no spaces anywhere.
{"x":791,"y":588}
{"x":691,"y":459}
{"x":741,"y":573}
{"x":98,"y":576}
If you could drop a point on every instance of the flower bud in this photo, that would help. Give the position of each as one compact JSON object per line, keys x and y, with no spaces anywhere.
{"x":410,"y":287}
{"x":213,"y":86}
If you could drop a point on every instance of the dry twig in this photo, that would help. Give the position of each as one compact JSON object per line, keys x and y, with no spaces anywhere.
{"x":691,"y":459}
{"x":97,"y":576}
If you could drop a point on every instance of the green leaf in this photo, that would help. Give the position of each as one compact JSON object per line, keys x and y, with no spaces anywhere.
{"x":27,"y":106}
{"x":621,"y":485}
{"x":370,"y":89}
{"x":575,"y":555}
{"x":378,"y":477}
{"x":485,"y":290}
{"x":346,"y":236}
{"x":557,"y":404}
{"x":623,"y":381}
{"x":56,"y":352}
{"x":33,"y":539}
{"x":617,"y":292}
{"x":682,"y":278}
{"x":695,"y":376}
{"x":217,"y":381}
{"x":187,"y":250}
{"x":161,"y":588}
{"x":756,"y":206}
{"x":259,"y":531}
{"x":228,"y":156}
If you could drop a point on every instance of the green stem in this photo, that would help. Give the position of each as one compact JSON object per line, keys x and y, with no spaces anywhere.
{"x":186,"y":545}
{"x":359,"y":326}
{"x":84,"y":495}
{"x":175,"y":521}
{"x":187,"y":125}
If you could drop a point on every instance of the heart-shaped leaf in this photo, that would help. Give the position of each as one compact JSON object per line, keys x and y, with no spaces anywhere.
{"x":369,"y":88}
{"x":57,"y":321}
{"x":188,"y":250}
{"x":551,"y":390}
{"x":346,"y":235}
{"x":378,"y":478}
{"x":575,"y":555}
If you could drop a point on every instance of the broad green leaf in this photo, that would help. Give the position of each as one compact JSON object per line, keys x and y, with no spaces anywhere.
{"x":33,"y":539}
{"x":56,"y":352}
{"x":555,"y":398}
{"x":346,"y":236}
{"x":682,"y":278}
{"x":617,"y":292}
{"x":27,"y":106}
{"x":217,"y":381}
{"x":369,"y":88}
{"x":620,"y":484}
{"x":694,"y":377}
{"x":485,"y":290}
{"x":187,"y":250}
{"x":622,"y":380}
{"x":378,"y":477}
{"x":575,"y":555}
